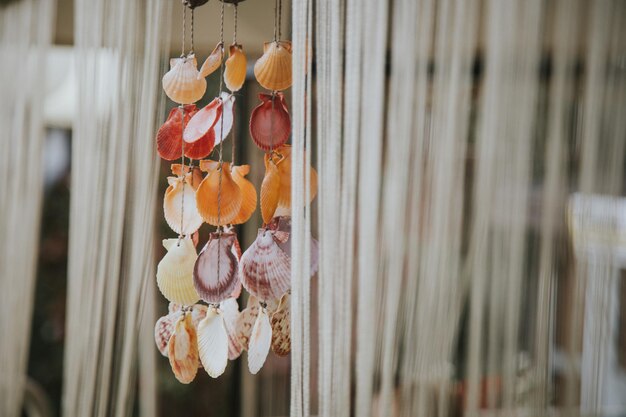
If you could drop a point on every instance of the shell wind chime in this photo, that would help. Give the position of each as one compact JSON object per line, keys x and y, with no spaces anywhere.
{"x":204,"y":327}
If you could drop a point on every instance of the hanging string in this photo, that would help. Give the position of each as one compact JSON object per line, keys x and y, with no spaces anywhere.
{"x":280,"y":18}
{"x":235,"y":24}
{"x":182,"y":122}
{"x":233,"y":128}
{"x":221,"y":160}
{"x":192,"y":49}
{"x":276,"y":20}
{"x":182,"y":48}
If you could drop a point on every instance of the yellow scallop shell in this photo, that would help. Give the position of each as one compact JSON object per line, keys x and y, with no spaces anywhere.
{"x":248,"y":192}
{"x":235,"y":72}
{"x":213,"y":61}
{"x":273,"y":69}
{"x":270,"y":189}
{"x":175,"y":271}
{"x":208,"y":194}
{"x":181,"y":83}
{"x":282,"y":159}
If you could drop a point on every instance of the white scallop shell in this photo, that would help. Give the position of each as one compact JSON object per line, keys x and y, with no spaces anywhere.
{"x":175,"y":271}
{"x":180,"y":201}
{"x":230,"y":312}
{"x":260,"y":341}
{"x":265,"y":269}
{"x":213,"y":343}
{"x":227,"y":116}
{"x":181,"y":83}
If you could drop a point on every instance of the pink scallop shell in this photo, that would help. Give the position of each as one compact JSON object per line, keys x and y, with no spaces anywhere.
{"x":209,"y":286}
{"x":270,"y":127}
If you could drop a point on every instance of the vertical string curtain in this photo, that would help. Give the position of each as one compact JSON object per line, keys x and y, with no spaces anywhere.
{"x":450,"y":138}
{"x":119,"y":58}
{"x":25,"y":33}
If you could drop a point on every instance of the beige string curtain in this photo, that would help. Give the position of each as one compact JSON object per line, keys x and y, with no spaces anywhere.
{"x":119,"y":47}
{"x":470,"y":210}
{"x":25,"y":33}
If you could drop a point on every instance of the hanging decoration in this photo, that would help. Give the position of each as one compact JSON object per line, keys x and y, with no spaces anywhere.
{"x":217,"y":192}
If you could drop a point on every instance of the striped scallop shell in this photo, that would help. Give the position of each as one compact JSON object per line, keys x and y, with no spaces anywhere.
{"x":179,"y":205}
{"x":183,"y":350}
{"x":181,"y":83}
{"x":170,"y":135}
{"x":235,"y":72}
{"x":213,"y":61}
{"x":227,"y":116}
{"x":264,"y":269}
{"x":260,"y":341}
{"x":281,"y":326}
{"x":246,"y":320}
{"x":270,"y":123}
{"x":175,"y":271}
{"x":218,"y":251}
{"x":248,"y":194}
{"x":273,"y":69}
{"x":230,"y":312}
{"x":283,"y":223}
{"x":208,"y":195}
{"x":213,"y":343}
{"x":163,"y":330}
{"x":270,"y":189}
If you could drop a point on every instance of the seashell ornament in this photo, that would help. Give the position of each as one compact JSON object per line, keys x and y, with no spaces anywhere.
{"x":283,"y":224}
{"x":163,"y":330}
{"x":248,"y":194}
{"x":270,"y":189}
{"x":213,"y":343}
{"x":213,"y":61}
{"x":235,"y":72}
{"x":264,"y":269}
{"x":281,"y":334}
{"x":260,"y":341}
{"x":246,"y":320}
{"x":273,"y":69}
{"x":183,"y":350}
{"x":215,"y":284}
{"x":270,"y":123}
{"x":230,"y":313}
{"x":181,"y":83}
{"x":227,"y":116}
{"x":179,"y":205}
{"x":170,"y":135}
{"x":201,"y":125}
{"x":175,"y":271}
{"x":208,"y":194}
{"x":282,"y":159}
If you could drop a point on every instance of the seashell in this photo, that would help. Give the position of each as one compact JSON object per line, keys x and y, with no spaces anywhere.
{"x":248,"y":194}
{"x":170,"y":135}
{"x":179,"y":205}
{"x":270,"y":123}
{"x":208,"y":194}
{"x":227,"y":116}
{"x":270,"y":187}
{"x":163,"y":330}
{"x":273,"y":69}
{"x":181,"y":83}
{"x":283,"y":224}
{"x":260,"y":341}
{"x":264,"y":269}
{"x":172,"y":307}
{"x":230,"y":313}
{"x":213,"y":61}
{"x":235,"y":72}
{"x":183,"y":350}
{"x":281,"y":325}
{"x":175,"y":271}
{"x":196,"y":178}
{"x":282,"y":159}
{"x":246,"y":320}
{"x":213,"y":343}
{"x":200,"y":126}
{"x":198,"y":313}
{"x":211,"y":286}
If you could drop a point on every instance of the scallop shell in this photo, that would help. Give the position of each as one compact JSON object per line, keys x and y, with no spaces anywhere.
{"x":208,"y":194}
{"x":179,"y":204}
{"x":246,"y":320}
{"x":163,"y":330}
{"x":183,"y":350}
{"x":283,"y":223}
{"x":235,"y":72}
{"x":282,"y":159}
{"x":213,"y":343}
{"x":270,"y":124}
{"x":170,"y":135}
{"x":230,"y":312}
{"x":273,"y":69}
{"x":173,"y":307}
{"x":281,"y":326}
{"x":213,"y":61}
{"x":260,"y":341}
{"x":175,"y":271}
{"x":196,"y":178}
{"x":264,"y":269}
{"x":201,"y":125}
{"x":212,"y":283}
{"x":248,"y":194}
{"x":227,"y":116}
{"x":181,"y":83}
{"x":198,"y":313}
{"x":270,"y":189}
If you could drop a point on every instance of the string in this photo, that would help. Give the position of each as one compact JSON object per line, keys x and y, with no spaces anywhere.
{"x":182,"y":49}
{"x":192,"y":49}
{"x":280,"y":18}
{"x":235,"y":24}
{"x":182,"y":122}
{"x":221,"y":160}
{"x":276,"y":20}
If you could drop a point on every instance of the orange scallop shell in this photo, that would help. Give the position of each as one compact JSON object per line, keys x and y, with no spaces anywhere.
{"x":273,"y":69}
{"x":248,"y":192}
{"x":235,"y":72}
{"x":170,"y":135}
{"x":270,"y":124}
{"x":213,"y":61}
{"x":282,"y":159}
{"x":196,"y":174}
{"x":270,"y":188}
{"x":208,"y":194}
{"x":183,"y":350}
{"x":179,"y":205}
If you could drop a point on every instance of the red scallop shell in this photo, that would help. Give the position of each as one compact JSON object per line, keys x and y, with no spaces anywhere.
{"x":170,"y":135}
{"x":270,"y":128}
